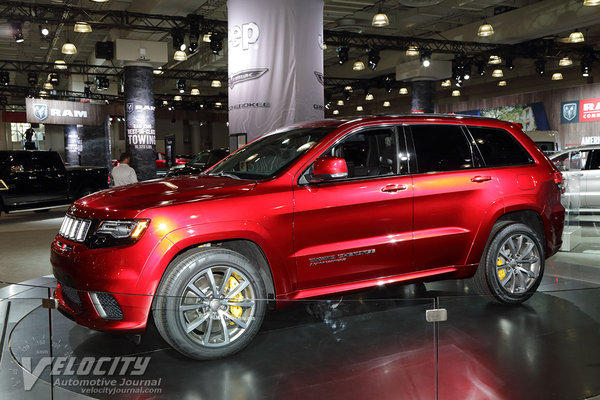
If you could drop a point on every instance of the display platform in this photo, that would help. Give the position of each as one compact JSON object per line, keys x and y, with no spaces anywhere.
{"x":374,"y":344}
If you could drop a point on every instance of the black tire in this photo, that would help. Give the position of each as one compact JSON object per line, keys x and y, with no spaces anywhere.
{"x":177,"y":308}
{"x":512,"y":265}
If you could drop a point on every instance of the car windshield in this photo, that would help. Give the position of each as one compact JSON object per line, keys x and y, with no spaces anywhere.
{"x":271,"y":154}
{"x":200,"y":160}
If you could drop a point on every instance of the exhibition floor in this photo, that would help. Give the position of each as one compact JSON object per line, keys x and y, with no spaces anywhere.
{"x":373,"y":344}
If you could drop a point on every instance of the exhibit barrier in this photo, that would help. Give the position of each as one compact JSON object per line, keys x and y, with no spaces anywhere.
{"x":419,"y":341}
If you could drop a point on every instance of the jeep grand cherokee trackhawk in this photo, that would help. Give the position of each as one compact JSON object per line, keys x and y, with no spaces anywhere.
{"x":311,"y":210}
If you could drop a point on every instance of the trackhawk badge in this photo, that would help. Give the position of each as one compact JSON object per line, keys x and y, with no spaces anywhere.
{"x":40,"y":111}
{"x":246,"y":75}
{"x":319,"y":76}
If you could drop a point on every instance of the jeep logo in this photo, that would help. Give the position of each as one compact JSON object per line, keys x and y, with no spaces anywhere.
{"x":245,"y":35}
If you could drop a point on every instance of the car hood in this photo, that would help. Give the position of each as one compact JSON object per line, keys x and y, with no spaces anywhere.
{"x":128,"y":201}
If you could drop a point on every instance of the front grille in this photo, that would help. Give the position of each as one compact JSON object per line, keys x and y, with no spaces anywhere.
{"x":75,"y":229}
{"x":71,"y":297}
{"x":107,"y":306}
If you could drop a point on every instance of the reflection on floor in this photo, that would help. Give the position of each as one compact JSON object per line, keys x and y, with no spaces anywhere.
{"x":373,"y":344}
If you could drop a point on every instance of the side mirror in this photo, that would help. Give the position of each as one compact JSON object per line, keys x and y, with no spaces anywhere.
{"x":327,"y":168}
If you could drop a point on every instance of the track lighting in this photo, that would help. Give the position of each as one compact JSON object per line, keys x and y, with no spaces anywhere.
{"x":346,"y":94}
{"x":102,"y":83}
{"x":44,"y":32}
{"x":540,"y":67}
{"x":17,"y":31}
{"x":194,"y":22}
{"x":32,"y":79}
{"x":425,"y":58}
{"x":510,"y":65}
{"x":178,"y":39}
{"x":180,"y":85}
{"x":4,"y":78}
{"x":373,"y":58}
{"x":216,"y":43}
{"x":342,"y":54}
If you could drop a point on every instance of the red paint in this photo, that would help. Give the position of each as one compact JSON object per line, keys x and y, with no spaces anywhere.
{"x":386,"y":229}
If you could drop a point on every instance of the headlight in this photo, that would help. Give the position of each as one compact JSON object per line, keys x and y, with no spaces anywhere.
{"x":118,"y":232}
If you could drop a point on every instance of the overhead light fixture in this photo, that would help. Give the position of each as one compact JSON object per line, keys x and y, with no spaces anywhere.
{"x":373,"y":58}
{"x":485,"y":30}
{"x":177,"y":98}
{"x":342,"y":54}
{"x":206,"y":37}
{"x":165,"y":103}
{"x":60,"y":64}
{"x":218,"y":104}
{"x":180,"y":85}
{"x":591,"y":3}
{"x":369,"y":96}
{"x":336,"y":112}
{"x":44,"y":32}
{"x":216,"y":43}
{"x":340,"y":102}
{"x":178,"y":39}
{"x":455,"y":93}
{"x":557,"y":76}
{"x":358,"y":65}
{"x":494,"y":59}
{"x":195,"y":92}
{"x":586,"y":68}
{"x":348,"y":88}
{"x":510,"y":65}
{"x":565,"y":62}
{"x":425,"y":58}
{"x":446,"y":83}
{"x":497,"y":73}
{"x":359,"y":108}
{"x":17,"y":31}
{"x":102,"y":83}
{"x":346,"y":95}
{"x":540,"y":67}
{"x":386,"y":104}
{"x":32,"y":79}
{"x":53,"y":79}
{"x":412,"y":51}
{"x":4,"y":78}
{"x":324,"y":46}
{"x":481,"y":68}
{"x":215,"y":83}
{"x":100,"y":1}
{"x":68,"y":48}
{"x":502,"y":83}
{"x":380,"y":19}
{"x":179,"y":55}
{"x":403,"y":90}
{"x":194,"y":22}
{"x":82,"y":27}
{"x":48,"y":86}
{"x":157,"y":71}
{"x":576,"y":37}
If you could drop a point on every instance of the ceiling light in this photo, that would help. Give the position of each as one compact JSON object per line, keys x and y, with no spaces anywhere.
{"x":179,"y":55}
{"x":403,"y":90}
{"x":586,"y":68}
{"x":495,"y":59}
{"x":17,"y":31}
{"x":502,"y":83}
{"x":216,"y":43}
{"x":485,"y":30}
{"x":347,"y":95}
{"x":102,"y":83}
{"x":324,"y":46}
{"x":446,"y":83}
{"x":195,"y":92}
{"x":576,"y":37}
{"x":48,"y":86}
{"x":32,"y":79}
{"x":481,"y":68}
{"x":340,"y":102}
{"x":386,"y":104}
{"x":157,"y":71}
{"x":358,"y":65}
{"x":178,"y":39}
{"x":60,"y":64}
{"x":565,"y":62}
{"x":165,"y":103}
{"x":180,"y":85}
{"x":336,"y":112}
{"x":540,"y":67}
{"x":455,"y":93}
{"x":206,"y":37}
{"x":373,"y":58}
{"x":82,"y":27}
{"x":218,"y":104}
{"x":359,"y":108}
{"x":348,"y":88}
{"x":100,"y":1}
{"x":412,"y":51}
{"x":69,"y":48}
{"x":44,"y":32}
{"x":425,"y":58}
{"x":557,"y":76}
{"x":342,"y":54}
{"x":380,"y":19}
{"x":215,"y":83}
{"x":591,"y":3}
{"x":4,"y":78}
{"x":369,"y":96}
{"x":177,"y":98}
{"x":194,"y":21}
{"x":510,"y":63}
{"x":497,"y":73}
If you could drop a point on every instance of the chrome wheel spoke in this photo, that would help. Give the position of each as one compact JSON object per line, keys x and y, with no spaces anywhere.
{"x":509,"y":274}
{"x":527,"y":272}
{"x":512,"y":246}
{"x":208,"y":330}
{"x":522,"y":285}
{"x":188,"y":307}
{"x":519,"y":244}
{"x":238,"y":289}
{"x":527,"y":252}
{"x":224,"y":281}
{"x":196,"y":323}
{"x":197,"y":291}
{"x":237,"y":321}
{"x":248,"y":303}
{"x":211,"y":279}
{"x":224,"y":328}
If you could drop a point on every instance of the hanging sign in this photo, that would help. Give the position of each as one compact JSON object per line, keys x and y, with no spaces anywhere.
{"x":60,"y":112}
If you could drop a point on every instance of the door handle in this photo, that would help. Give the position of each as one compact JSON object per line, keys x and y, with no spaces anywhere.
{"x":479,"y":178}
{"x":393,"y":188}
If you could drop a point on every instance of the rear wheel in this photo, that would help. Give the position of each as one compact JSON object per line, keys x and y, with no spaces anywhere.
{"x":512,"y":265}
{"x":210,"y":303}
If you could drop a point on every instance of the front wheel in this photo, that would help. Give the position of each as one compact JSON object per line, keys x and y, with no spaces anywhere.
{"x":210,"y":303}
{"x":512,"y":265}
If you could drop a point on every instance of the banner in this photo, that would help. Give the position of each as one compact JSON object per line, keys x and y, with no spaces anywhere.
{"x":580,"y":111}
{"x":275,"y":64}
{"x":531,"y":116}
{"x":64,"y":112}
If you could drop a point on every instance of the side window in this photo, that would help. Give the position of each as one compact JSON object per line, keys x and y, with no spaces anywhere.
{"x":498,"y":147}
{"x":578,"y":160}
{"x":441,"y":148}
{"x":595,"y":160}
{"x":562,"y":162}
{"x":19,"y":162}
{"x":46,"y":162}
{"x":368,"y":153}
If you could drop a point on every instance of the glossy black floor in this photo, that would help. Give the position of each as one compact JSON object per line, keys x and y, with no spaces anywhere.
{"x":371,"y":345}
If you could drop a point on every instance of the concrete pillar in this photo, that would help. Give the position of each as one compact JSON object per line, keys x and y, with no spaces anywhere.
{"x":139,"y":120}
{"x":423,"y":95}
{"x":195,"y":136}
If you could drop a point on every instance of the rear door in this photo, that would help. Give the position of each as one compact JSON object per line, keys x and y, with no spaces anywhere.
{"x":359,"y":227}
{"x":592,"y":180}
{"x":52,"y":177}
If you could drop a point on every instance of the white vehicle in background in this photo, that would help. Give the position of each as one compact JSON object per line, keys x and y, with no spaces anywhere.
{"x":546,"y":140}
{"x":580,"y":167}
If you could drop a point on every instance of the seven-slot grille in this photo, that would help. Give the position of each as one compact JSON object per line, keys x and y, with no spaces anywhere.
{"x":75,"y":229}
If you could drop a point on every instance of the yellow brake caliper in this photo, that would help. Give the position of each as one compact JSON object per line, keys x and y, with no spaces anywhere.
{"x":501,"y":272}
{"x":236,"y":311}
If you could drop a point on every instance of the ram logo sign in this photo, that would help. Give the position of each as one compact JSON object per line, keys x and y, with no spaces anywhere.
{"x":65,"y":112}
{"x":40,"y":111}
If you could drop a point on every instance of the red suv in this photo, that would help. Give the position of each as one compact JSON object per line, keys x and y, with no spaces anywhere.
{"x":312,"y":210}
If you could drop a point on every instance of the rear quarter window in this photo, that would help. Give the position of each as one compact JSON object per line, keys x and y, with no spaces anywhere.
{"x":498,"y":147}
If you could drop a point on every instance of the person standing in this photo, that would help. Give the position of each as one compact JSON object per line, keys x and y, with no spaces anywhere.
{"x":123,"y":174}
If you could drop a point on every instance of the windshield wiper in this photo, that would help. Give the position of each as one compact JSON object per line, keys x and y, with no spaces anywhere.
{"x":226,"y":174}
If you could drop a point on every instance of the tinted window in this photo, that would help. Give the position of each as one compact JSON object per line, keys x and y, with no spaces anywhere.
{"x":578,"y":159}
{"x":561,"y":162}
{"x":499,"y":148}
{"x":441,"y":148}
{"x":46,"y":161}
{"x":595,"y":161}
{"x":368,"y":153}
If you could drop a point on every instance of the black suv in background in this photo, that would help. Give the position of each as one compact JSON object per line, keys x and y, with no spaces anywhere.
{"x":199,"y":163}
{"x":33,"y":180}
